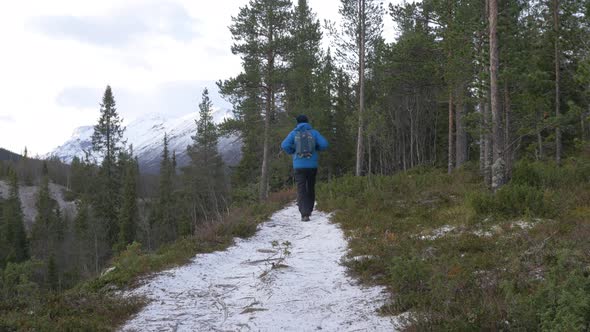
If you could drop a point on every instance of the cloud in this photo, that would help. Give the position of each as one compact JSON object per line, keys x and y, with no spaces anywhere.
{"x":6,"y":118}
{"x":122,"y":27}
{"x":171,"y":99}
{"x":79,"y":97}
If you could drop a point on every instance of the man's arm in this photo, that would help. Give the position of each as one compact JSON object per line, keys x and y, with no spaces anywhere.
{"x":320,"y":142}
{"x":288,"y":144}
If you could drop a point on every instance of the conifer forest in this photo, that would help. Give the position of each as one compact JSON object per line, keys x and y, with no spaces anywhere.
{"x":474,"y":118}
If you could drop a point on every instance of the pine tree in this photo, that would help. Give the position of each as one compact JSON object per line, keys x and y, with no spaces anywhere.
{"x":362,"y":23}
{"x":303,"y":61}
{"x":44,"y":232}
{"x":244,"y":93}
{"x":165,"y":221}
{"x":89,"y":237}
{"x":128,"y":215}
{"x":261,"y":34}
{"x":52,"y":274}
{"x":108,"y":133}
{"x":498,"y":166}
{"x":107,"y":140}
{"x":205,"y":174}
{"x":78,"y":176}
{"x":13,"y":234}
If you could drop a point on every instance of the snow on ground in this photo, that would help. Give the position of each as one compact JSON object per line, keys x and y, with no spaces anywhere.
{"x":439,"y":232}
{"x":28,"y":199}
{"x":237,"y":290}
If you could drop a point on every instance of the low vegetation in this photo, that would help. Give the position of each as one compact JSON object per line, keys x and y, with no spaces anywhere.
{"x":94,"y":305}
{"x":457,"y":257}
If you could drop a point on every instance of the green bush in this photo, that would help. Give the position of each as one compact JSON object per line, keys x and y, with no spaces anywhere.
{"x":17,"y":286}
{"x":573,"y":172}
{"x":69,"y":196}
{"x":409,"y":278}
{"x":525,"y":173}
{"x":515,"y":200}
{"x":558,"y":302}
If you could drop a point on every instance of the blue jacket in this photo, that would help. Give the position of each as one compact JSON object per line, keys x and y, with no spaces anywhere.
{"x":288,"y":146}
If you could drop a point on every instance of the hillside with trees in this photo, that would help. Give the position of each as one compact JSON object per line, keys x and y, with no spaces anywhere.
{"x":459,"y":164}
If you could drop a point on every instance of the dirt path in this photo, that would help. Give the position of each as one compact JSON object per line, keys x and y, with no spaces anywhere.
{"x":238,"y":290}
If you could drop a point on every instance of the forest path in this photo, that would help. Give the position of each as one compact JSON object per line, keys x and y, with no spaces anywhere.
{"x":238,"y":290}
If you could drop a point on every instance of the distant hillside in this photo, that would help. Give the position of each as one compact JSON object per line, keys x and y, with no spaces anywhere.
{"x":8,"y":155}
{"x":28,"y":198}
{"x":146,"y":134}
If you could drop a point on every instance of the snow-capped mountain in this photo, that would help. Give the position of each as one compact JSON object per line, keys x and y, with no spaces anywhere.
{"x":146,"y":134}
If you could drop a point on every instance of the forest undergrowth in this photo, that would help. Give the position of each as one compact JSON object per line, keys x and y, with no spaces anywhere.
{"x":457,"y":257}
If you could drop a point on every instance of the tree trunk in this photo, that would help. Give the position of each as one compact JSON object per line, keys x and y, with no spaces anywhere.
{"x":508,"y":149}
{"x":369,"y":149}
{"x":359,"y":146}
{"x":583,"y":125}
{"x":482,"y":140}
{"x":461,"y":135}
{"x":498,"y":164}
{"x":265,"y":154}
{"x":539,"y":145}
{"x":96,"y":270}
{"x":267,"y":117}
{"x":450,"y":163}
{"x":557,"y":110}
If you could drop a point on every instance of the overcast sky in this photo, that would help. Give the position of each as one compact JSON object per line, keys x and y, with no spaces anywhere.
{"x":58,"y":56}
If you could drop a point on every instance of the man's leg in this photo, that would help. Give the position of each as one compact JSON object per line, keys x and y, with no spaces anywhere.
{"x":311,"y":189}
{"x":300,"y":179}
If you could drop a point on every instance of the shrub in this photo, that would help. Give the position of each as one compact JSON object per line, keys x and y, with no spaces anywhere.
{"x":69,"y":196}
{"x":409,"y":277}
{"x":515,"y":200}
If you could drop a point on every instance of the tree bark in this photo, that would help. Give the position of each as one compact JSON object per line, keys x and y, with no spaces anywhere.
{"x":267,"y":117}
{"x":508,"y":149}
{"x":482,"y":140}
{"x":450,"y":163}
{"x":539,"y":145}
{"x":359,"y":146}
{"x":557,"y":78}
{"x":460,"y":135}
{"x":497,"y":171}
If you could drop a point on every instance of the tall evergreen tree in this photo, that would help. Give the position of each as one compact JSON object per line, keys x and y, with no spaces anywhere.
{"x":304,"y":61}
{"x":261,"y":37}
{"x":107,"y":140}
{"x":243,"y":91}
{"x":362,"y":23}
{"x":498,"y":166}
{"x":108,"y":132}
{"x":45,"y":229}
{"x":89,"y":238}
{"x":165,"y":221}
{"x":205,"y":174}
{"x":13,"y":235}
{"x":128,"y":214}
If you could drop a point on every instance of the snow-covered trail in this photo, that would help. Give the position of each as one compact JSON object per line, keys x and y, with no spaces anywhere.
{"x":236,"y":289}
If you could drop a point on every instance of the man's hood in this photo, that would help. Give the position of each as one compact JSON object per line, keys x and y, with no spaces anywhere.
{"x":303,"y":126}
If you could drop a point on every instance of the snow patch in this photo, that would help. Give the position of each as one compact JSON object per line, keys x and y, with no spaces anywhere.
{"x":224,"y":290}
{"x":437,"y":233}
{"x":522,"y":224}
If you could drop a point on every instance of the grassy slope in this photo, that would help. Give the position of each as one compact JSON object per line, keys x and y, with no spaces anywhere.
{"x":93,"y":305}
{"x":517,"y":260}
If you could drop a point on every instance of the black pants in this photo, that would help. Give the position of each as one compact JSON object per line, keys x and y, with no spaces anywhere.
{"x":305,"y":178}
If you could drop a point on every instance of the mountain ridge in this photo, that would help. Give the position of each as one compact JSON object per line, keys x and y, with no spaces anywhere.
{"x":146,"y":135}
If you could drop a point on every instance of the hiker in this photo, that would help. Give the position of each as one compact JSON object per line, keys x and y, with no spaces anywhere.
{"x":303,"y":143}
